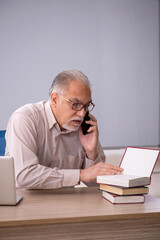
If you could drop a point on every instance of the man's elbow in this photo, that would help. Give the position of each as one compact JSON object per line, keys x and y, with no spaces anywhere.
{"x":24,"y":182}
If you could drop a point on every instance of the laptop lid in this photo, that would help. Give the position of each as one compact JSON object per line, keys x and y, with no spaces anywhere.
{"x":7,"y":182}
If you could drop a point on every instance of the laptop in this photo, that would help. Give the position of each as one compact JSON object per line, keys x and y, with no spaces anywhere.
{"x":7,"y":182}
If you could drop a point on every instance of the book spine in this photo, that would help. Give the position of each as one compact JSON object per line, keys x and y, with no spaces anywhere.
{"x":124,"y":202}
{"x":123,"y":157}
{"x":154,"y":165}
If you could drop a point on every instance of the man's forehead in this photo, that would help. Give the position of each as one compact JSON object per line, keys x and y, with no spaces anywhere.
{"x":79,"y":91}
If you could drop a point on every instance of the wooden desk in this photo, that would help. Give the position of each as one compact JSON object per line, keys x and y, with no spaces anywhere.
{"x":71,"y":213}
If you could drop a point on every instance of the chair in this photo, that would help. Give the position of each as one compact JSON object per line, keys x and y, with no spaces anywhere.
{"x":2,"y":142}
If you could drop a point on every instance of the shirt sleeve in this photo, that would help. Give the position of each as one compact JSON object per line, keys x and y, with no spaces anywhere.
{"x":21,"y":144}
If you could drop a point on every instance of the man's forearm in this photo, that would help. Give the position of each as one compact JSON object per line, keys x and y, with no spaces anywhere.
{"x":92,"y":155}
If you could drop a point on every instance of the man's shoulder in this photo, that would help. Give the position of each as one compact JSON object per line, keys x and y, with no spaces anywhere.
{"x":31,"y":110}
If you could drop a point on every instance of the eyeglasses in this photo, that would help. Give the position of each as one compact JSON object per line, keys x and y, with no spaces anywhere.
{"x":79,"y":106}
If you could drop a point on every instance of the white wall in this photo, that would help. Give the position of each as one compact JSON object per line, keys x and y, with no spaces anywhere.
{"x":114,"y":42}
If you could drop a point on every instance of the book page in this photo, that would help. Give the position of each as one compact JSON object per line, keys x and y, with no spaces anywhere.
{"x":139,"y":161}
{"x":116,"y":179}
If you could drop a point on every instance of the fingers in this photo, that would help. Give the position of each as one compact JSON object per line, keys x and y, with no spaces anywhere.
{"x":92,"y":129}
{"x":108,"y":169}
{"x":109,"y":165}
{"x":92,"y":117}
{"x":109,"y":172}
{"x":91,"y":173}
{"x":93,"y":123}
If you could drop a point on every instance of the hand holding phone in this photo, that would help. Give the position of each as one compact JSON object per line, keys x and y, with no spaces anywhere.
{"x":84,"y":125}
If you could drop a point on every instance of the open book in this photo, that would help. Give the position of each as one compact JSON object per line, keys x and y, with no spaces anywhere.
{"x":138,"y":165}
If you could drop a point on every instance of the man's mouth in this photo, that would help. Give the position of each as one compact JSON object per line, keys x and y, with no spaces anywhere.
{"x":76,"y":122}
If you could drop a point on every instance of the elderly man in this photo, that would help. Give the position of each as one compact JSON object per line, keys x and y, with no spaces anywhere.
{"x":46,"y":139}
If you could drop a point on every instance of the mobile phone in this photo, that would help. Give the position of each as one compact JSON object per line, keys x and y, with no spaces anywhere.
{"x":84,"y":125}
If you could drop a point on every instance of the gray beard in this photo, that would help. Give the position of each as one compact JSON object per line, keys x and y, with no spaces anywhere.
{"x":68,"y":127}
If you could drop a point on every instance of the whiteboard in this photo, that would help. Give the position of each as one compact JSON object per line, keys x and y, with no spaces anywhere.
{"x":114,"y":42}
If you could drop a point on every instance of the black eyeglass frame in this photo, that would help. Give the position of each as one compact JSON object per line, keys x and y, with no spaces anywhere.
{"x":80,"y":104}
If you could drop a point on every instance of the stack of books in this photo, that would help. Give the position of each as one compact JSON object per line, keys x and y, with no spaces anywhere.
{"x":123,"y":195}
{"x":131,"y":185}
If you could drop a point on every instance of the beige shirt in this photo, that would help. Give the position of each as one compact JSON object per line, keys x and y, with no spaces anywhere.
{"x":45,"y":156}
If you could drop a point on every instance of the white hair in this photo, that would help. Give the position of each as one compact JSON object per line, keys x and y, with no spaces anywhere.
{"x":62,"y":80}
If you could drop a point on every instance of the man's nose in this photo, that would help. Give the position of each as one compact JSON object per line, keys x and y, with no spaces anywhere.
{"x":81,"y":113}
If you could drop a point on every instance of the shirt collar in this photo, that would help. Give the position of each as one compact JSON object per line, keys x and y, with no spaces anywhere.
{"x":50,"y":116}
{"x":51,"y":119}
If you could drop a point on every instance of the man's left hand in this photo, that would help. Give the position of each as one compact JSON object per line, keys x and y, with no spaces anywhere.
{"x":90,"y":140}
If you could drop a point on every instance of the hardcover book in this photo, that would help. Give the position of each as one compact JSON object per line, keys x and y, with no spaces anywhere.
{"x":123,"y":199}
{"x":124,"y":191}
{"x":137,"y":164}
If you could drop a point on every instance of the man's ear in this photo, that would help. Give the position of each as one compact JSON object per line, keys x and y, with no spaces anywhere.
{"x":54,"y":98}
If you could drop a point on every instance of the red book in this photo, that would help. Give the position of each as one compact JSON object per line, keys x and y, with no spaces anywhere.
{"x":138,"y":165}
{"x":113,"y":198}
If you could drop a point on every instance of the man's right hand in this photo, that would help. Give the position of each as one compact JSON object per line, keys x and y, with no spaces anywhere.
{"x":90,"y":174}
